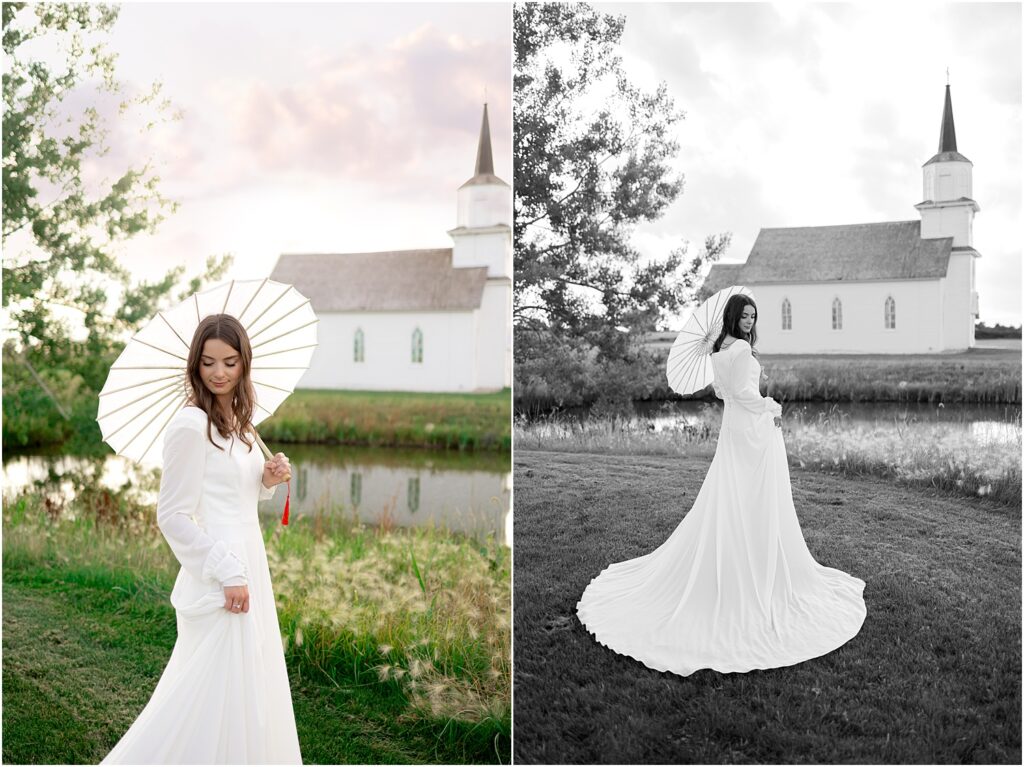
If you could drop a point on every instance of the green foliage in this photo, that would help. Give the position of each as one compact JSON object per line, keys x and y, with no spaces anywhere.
{"x":592,"y":159}
{"x":71,"y":305}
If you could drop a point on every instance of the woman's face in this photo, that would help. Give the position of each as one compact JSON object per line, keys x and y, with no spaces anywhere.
{"x":220,"y":367}
{"x":748,"y":318}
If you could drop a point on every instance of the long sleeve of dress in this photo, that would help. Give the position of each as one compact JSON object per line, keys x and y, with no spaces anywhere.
{"x":181,"y":486}
{"x":266,"y":493}
{"x":743,"y":379}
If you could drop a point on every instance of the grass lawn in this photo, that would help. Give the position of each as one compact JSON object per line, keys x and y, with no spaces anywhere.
{"x":394,"y":419}
{"x":397,"y":643}
{"x":934,"y":676}
{"x":80,"y":663}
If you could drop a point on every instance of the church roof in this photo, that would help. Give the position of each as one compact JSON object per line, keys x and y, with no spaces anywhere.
{"x":395,"y":280}
{"x":947,"y":136}
{"x":484,"y":170}
{"x":850,"y":252}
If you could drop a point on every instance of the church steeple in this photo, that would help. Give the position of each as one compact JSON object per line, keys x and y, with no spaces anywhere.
{"x":484,"y":170}
{"x":484,"y":158}
{"x":947,"y":135}
{"x":948,"y":207}
{"x":482,"y":234}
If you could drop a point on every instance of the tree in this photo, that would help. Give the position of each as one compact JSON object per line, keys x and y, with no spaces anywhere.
{"x":592,"y":155}
{"x":70,"y":304}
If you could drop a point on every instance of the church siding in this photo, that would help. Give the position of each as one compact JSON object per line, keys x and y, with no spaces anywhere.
{"x":958,"y":318}
{"x":448,"y":349}
{"x":864,"y":330}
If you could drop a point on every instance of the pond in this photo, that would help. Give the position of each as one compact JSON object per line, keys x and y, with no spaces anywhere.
{"x":985,"y":423}
{"x":468,"y":493}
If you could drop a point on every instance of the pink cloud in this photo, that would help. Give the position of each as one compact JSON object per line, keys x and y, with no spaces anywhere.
{"x":375,"y":114}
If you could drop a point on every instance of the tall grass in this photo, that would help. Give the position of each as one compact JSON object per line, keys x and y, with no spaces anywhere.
{"x":417,"y":613}
{"x":941,"y":455}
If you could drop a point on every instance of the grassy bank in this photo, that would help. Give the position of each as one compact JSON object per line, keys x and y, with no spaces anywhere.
{"x":938,"y":455}
{"x":368,"y":418}
{"x":932,"y":677}
{"x":397,"y":642}
{"x":394,"y":419}
{"x":979,"y":376}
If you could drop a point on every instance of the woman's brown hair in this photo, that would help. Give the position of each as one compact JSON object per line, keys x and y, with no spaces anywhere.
{"x":226,"y":328}
{"x":731,"y":322}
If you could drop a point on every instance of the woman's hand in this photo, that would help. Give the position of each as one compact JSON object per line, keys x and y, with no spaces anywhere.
{"x":276,"y":470}
{"x":236,"y":599}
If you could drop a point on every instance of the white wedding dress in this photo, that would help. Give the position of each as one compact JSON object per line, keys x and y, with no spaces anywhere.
{"x":224,"y":696}
{"x":734,"y":587}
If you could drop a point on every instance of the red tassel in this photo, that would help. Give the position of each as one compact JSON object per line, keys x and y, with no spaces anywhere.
{"x":287,"y":501}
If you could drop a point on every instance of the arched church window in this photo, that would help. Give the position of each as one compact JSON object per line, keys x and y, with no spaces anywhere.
{"x":417,"y":345}
{"x":890,"y":313}
{"x":359,"y":346}
{"x":837,"y":314}
{"x":787,"y":315}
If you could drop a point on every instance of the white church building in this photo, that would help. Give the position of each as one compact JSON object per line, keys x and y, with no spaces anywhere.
{"x":418,"y":320}
{"x":893,"y":287}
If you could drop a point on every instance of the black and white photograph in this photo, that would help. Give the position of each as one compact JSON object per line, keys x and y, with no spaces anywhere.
{"x":767,"y":383}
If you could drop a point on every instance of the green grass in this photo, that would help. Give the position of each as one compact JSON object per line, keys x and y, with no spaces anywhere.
{"x":88,"y":629}
{"x":394,"y":419}
{"x":939,"y":455}
{"x":934,"y":676}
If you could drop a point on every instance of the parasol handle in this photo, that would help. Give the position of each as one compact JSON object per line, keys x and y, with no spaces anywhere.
{"x":288,"y":479}
{"x":265,"y":449}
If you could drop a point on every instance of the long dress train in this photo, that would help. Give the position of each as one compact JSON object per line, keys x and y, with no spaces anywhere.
{"x":734,"y":587}
{"x":224,"y":696}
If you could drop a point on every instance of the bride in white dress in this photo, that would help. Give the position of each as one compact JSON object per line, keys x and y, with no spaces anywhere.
{"x":224,"y":696}
{"x":734,"y":588}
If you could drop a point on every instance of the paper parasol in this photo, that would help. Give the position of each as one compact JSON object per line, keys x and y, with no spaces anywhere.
{"x":689,"y":360}
{"x":146,"y":385}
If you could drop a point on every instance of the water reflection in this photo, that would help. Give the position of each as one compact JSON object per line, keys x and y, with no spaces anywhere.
{"x":467,"y":494}
{"x":987,"y":424}
{"x":462,"y":492}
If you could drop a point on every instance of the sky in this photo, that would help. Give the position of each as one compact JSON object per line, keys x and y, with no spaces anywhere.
{"x":818,"y":114}
{"x":308,"y":127}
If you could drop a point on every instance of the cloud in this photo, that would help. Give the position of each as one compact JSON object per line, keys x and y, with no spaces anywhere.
{"x":380,"y":115}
